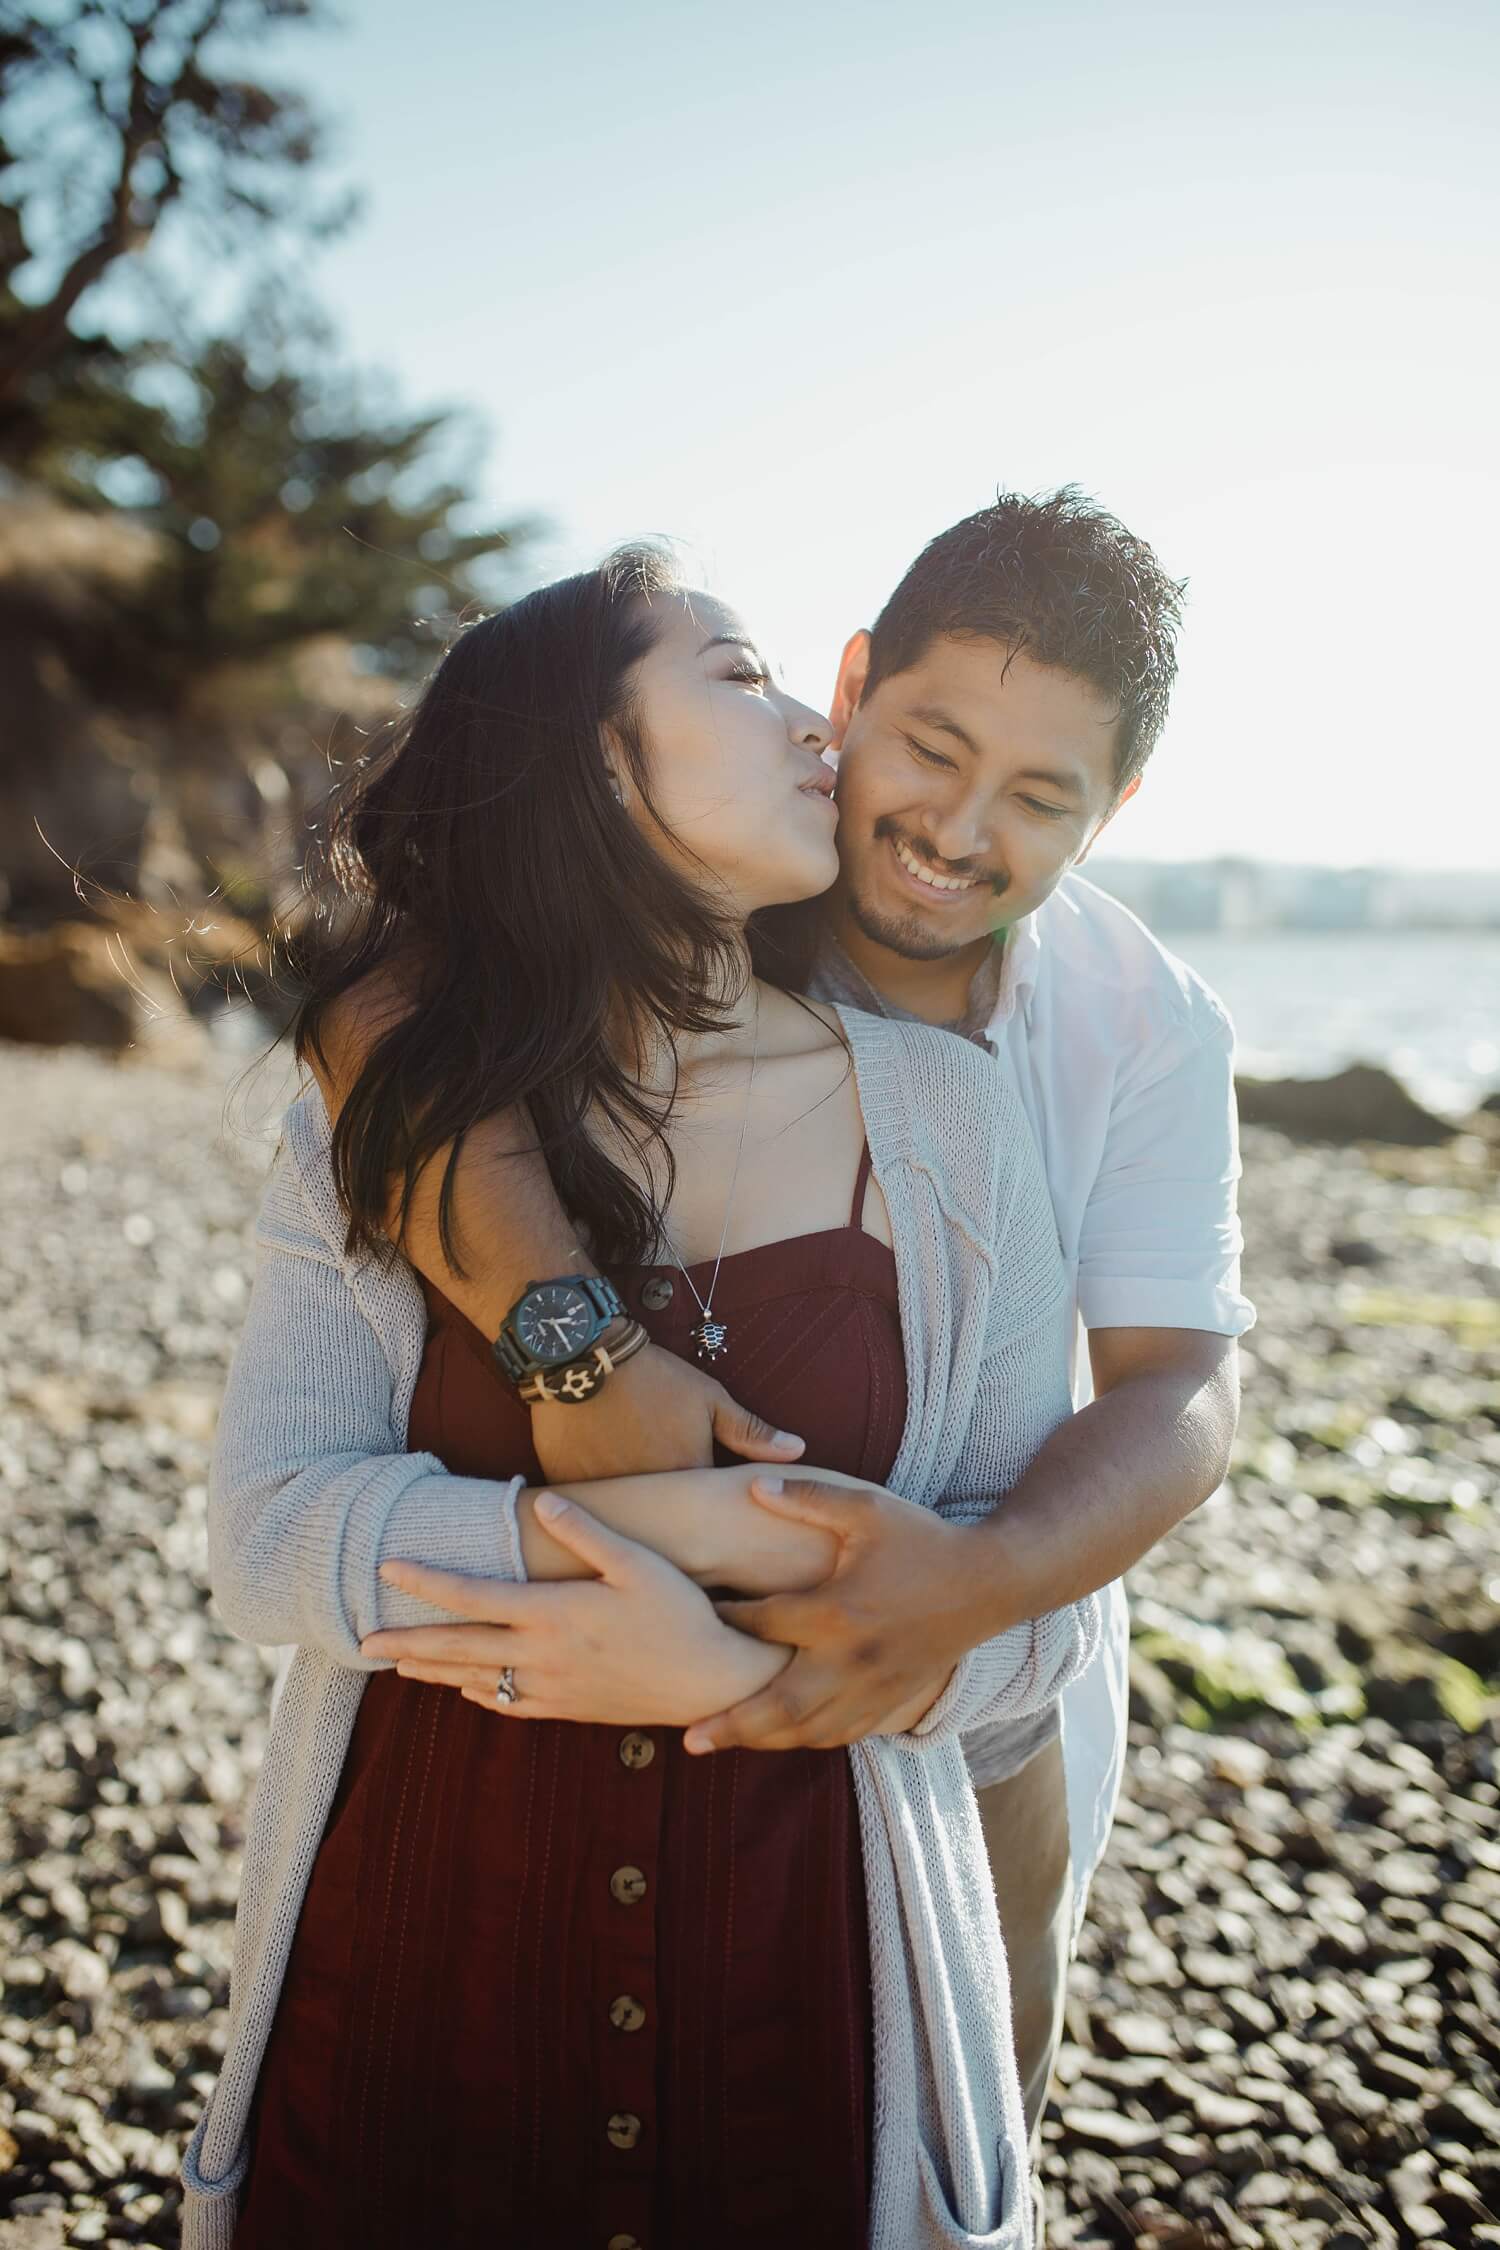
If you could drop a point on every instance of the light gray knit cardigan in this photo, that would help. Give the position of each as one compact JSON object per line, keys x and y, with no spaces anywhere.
{"x":312,"y":1490}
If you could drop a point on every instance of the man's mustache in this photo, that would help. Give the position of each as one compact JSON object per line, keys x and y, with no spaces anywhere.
{"x":997,"y":880}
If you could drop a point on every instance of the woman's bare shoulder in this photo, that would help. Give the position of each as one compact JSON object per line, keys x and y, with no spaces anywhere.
{"x":791,"y":1024}
{"x":354,"y":1023}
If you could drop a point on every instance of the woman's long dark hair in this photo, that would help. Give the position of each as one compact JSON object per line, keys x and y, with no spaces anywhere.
{"x":482,"y":858}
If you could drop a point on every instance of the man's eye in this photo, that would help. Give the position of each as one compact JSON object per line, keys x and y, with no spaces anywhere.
{"x":927,"y":757}
{"x":1048,"y":812}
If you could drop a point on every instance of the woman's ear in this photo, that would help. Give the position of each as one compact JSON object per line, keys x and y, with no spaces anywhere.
{"x":854,"y":666}
{"x":613,"y":750}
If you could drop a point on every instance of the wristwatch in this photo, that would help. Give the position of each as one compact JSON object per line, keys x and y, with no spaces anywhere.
{"x":553,"y":1330}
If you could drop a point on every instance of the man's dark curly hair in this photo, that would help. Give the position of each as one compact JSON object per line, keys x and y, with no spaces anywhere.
{"x":1061,"y":579}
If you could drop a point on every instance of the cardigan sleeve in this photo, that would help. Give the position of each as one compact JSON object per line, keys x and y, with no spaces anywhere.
{"x":1022,"y":1396}
{"x":1026,"y":1667}
{"x":311,"y":1489}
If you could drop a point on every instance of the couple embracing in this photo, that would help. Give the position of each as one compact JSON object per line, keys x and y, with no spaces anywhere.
{"x":660,"y":1429}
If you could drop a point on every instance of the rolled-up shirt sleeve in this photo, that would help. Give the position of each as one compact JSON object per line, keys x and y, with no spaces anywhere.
{"x":1160,"y":1242}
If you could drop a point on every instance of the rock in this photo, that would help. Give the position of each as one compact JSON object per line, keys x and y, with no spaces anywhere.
{"x":1249,"y":2014}
{"x":1414,"y":1686}
{"x":81,"y":1973}
{"x":63,"y":987}
{"x":164,"y":1922}
{"x":34,"y":2133}
{"x":1244,"y":1764}
{"x":1222,"y":2113}
{"x":1394,"y":2075}
{"x":1263,"y":2191}
{"x":1356,"y":1253}
{"x":1237,"y":2155}
{"x":1133,"y":2033}
{"x":1153,"y":1699}
{"x":1468,"y":2115}
{"x":1186,"y":2156}
{"x":1358,"y":1104}
{"x":1110,"y":2130}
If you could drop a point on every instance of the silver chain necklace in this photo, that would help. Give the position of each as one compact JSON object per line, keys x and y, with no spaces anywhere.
{"x":710,"y":1335}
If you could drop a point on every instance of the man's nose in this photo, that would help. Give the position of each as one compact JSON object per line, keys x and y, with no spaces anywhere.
{"x":958,"y":832}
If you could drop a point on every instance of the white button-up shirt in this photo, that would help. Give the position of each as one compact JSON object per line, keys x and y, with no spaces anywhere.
{"x":1123,"y":1059}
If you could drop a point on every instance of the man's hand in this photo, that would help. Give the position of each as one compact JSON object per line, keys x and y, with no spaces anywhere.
{"x":876,"y":1642}
{"x":657,"y":1412}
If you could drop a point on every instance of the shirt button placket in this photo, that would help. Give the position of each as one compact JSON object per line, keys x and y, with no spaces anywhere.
{"x":624,"y":2011}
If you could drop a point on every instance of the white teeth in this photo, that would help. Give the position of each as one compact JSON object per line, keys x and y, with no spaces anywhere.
{"x":925,"y":874}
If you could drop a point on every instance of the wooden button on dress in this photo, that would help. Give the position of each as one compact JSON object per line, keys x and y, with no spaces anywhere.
{"x":657,"y":1293}
{"x":626,"y":2013}
{"x":636,"y":1750}
{"x":624,"y":2129}
{"x":623,"y":2242}
{"x":628,"y":1885}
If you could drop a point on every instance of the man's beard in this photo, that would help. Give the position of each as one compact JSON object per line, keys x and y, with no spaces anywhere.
{"x":905,"y":937}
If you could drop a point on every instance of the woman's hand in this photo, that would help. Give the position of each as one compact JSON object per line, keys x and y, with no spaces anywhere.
{"x":655,"y":1414}
{"x":637,"y":1645}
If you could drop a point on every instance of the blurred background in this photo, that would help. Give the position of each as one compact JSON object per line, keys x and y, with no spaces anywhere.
{"x":319,"y":328}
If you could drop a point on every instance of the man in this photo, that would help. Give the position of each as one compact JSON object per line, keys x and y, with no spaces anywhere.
{"x":991,"y":723}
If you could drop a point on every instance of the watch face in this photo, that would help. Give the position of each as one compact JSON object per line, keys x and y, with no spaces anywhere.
{"x":555,"y":1323}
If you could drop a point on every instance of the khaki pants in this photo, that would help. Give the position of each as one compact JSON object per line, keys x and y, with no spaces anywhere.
{"x":1025,"y":1822}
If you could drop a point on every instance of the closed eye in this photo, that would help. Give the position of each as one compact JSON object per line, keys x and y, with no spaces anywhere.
{"x":750,"y":676}
{"x":1047,"y":811}
{"x":926,"y":757}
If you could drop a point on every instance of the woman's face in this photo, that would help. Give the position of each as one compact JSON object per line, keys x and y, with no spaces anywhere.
{"x":735,"y":763}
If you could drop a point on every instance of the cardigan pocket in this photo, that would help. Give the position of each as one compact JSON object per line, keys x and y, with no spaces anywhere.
{"x":944,"y":2230}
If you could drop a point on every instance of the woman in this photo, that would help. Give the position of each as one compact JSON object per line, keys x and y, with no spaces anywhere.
{"x":559,"y":1983}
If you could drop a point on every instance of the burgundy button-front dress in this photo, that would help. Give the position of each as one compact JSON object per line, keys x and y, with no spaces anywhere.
{"x":562,"y":1987}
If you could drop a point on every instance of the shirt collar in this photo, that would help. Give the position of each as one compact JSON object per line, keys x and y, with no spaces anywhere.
{"x":1018,"y":972}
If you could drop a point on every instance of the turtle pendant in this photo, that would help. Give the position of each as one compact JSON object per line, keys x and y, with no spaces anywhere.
{"x":711,"y":1337}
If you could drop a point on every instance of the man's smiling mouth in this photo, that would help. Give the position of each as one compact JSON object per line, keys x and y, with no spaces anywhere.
{"x":927,"y":876}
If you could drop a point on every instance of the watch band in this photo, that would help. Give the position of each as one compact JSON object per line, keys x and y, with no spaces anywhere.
{"x":582,"y":1378}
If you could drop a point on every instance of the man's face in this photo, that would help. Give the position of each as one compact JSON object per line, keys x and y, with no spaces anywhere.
{"x":967,"y":788}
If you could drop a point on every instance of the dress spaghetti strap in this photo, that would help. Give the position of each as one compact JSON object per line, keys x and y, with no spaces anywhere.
{"x":861,"y":1182}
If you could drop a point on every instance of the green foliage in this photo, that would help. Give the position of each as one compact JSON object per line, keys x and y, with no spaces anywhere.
{"x":287,"y":510}
{"x":289,"y":501}
{"x":125,"y":113}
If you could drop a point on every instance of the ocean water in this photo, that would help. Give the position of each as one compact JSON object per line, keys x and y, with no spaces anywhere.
{"x":1424,"y":1003}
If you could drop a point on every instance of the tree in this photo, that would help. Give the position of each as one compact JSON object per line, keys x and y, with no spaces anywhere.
{"x":289,"y":506}
{"x":246,"y":526}
{"x":130,"y":110}
{"x":288,"y":509}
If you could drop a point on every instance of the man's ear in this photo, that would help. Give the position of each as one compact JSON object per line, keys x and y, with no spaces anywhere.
{"x":1123,"y":799}
{"x":854,"y":666}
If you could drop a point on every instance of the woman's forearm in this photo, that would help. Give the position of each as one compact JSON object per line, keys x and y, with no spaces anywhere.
{"x":703,"y":1520}
{"x":654,"y":1511}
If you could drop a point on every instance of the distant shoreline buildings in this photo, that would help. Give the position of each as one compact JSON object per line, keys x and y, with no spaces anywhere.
{"x":1245,"y":894}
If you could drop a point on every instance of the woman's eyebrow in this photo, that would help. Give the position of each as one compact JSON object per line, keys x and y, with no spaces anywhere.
{"x":730,"y":640}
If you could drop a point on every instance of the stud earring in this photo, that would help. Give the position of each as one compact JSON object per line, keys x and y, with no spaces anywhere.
{"x":615,"y":789}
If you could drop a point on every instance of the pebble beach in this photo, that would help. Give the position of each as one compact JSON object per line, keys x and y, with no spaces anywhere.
{"x":1284,"y":2028}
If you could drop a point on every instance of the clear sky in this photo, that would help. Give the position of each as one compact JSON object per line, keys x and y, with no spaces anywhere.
{"x":802,"y":284}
